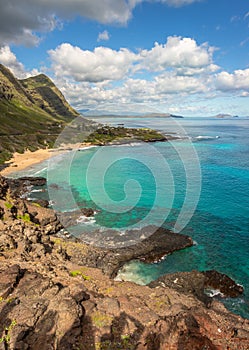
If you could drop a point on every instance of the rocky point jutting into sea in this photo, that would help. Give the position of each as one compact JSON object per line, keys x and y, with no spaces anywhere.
{"x":60,"y":293}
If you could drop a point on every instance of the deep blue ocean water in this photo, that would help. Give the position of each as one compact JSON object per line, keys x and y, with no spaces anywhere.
{"x":220,"y":223}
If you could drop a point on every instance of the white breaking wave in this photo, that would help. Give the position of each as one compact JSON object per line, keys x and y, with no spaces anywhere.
{"x":40,"y":171}
{"x":203,"y":137}
{"x":213,"y":292}
{"x":39,"y":190}
{"x":85,"y":148}
{"x":86,"y":220}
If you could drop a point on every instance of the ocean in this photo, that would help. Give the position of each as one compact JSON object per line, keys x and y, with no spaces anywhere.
{"x":196,"y":184}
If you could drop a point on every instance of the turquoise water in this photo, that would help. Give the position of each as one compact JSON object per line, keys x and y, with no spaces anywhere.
{"x":162,"y":174}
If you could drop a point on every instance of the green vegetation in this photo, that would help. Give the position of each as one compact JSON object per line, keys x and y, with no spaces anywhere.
{"x":47,"y":97}
{"x":36,"y":204}
{"x":79,"y":273}
{"x":8,"y":205}
{"x":6,"y":337}
{"x":125,"y":343}
{"x":33,"y":113}
{"x":107,"y":134}
{"x":25,"y":217}
{"x":7,"y":301}
{"x":100,"y":319}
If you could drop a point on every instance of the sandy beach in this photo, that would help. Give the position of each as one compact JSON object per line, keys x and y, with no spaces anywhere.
{"x":22,"y":161}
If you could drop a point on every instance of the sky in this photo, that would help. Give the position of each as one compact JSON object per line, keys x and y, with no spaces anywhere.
{"x":184,"y":57}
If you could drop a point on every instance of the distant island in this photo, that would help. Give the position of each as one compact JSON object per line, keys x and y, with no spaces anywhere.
{"x":225,"y":116}
{"x":102,"y":114}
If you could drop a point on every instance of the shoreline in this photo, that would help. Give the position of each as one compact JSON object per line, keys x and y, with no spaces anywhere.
{"x":65,"y":292}
{"x":22,"y":161}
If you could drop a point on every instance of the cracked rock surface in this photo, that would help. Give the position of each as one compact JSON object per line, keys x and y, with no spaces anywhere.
{"x":58,"y":294}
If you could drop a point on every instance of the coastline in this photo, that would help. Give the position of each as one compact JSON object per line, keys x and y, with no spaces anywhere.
{"x":40,"y":271}
{"x":101,"y":137}
{"x":21,"y":161}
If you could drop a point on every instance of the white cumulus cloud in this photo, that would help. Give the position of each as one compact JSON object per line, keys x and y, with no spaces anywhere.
{"x":238,"y":80}
{"x":170,"y":83}
{"x":183,"y":55}
{"x":180,"y":67}
{"x":8,"y":59}
{"x":177,"y":52}
{"x":175,"y":3}
{"x":93,"y":66}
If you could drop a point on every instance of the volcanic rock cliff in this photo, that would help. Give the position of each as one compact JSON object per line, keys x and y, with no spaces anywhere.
{"x":53,"y":296}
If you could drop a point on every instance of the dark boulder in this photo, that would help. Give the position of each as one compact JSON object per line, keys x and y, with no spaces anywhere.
{"x":3,"y":187}
{"x":223,"y":283}
{"x":22,"y":185}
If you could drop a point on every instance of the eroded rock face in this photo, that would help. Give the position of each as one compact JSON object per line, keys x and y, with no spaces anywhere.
{"x":151,"y":249}
{"x":3,"y":187}
{"x":19,"y":186}
{"x":39,"y":313}
{"x":90,"y":311}
{"x":54,"y":294}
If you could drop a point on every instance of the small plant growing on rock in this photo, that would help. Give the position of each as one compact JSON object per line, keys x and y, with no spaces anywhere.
{"x":8,"y":205}
{"x":37,"y":205}
{"x":6,"y":337}
{"x":79,"y":273}
{"x":101,"y":319}
{"x":25,"y":217}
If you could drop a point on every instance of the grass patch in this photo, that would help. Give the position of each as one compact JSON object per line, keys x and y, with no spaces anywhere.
{"x":36,"y":204}
{"x":101,"y":320}
{"x":76,"y":273}
{"x":25,"y":217}
{"x":125,"y":343}
{"x":8,"y":205}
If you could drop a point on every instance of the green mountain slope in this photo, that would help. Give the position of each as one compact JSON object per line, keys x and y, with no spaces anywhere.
{"x":48,"y":97}
{"x":32,"y":113}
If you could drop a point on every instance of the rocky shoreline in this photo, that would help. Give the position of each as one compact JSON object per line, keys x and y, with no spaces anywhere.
{"x":59,"y":293}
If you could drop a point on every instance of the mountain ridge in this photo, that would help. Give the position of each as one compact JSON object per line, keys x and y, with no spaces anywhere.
{"x":33,"y":112}
{"x":47,"y":96}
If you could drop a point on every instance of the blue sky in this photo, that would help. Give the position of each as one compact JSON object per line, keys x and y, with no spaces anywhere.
{"x":188,"y":57}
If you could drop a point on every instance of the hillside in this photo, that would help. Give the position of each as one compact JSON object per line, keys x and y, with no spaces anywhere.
{"x":48,"y":97}
{"x":32,"y":113}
